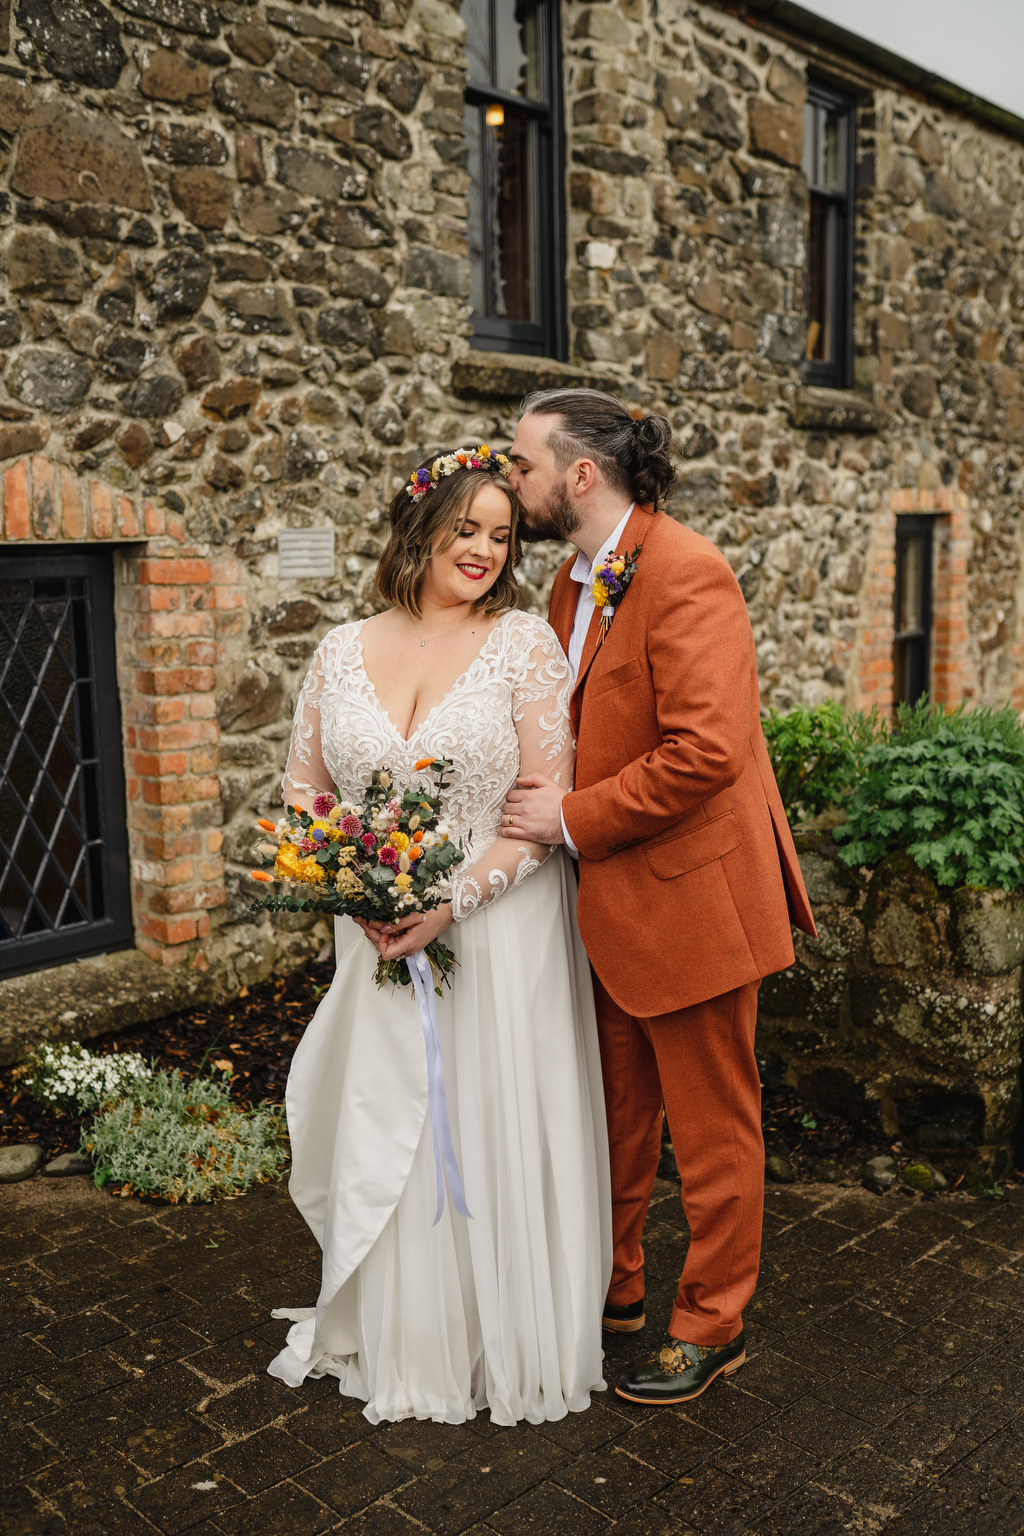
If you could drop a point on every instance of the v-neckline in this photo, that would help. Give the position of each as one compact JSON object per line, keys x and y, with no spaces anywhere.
{"x":408,"y":740}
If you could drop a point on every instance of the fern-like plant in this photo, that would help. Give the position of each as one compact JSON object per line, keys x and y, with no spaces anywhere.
{"x":951,"y":794}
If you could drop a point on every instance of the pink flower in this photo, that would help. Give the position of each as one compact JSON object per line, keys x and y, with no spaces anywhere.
{"x":393,"y":808}
{"x":350,"y":825}
{"x":308,"y":846}
{"x":324,"y":804}
{"x":389,"y":856}
{"x":368,"y":841}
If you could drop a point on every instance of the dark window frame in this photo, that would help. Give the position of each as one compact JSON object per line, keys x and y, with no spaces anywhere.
{"x":110,"y":860}
{"x":912,"y":648}
{"x":548,"y":335}
{"x":838,"y":373}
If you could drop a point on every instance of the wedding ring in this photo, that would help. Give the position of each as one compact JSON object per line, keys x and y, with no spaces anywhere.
{"x":511,"y":820}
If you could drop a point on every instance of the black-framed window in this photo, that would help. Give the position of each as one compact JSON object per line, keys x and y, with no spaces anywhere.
{"x":64,"y":883}
{"x":513,"y":135}
{"x":828,"y":164}
{"x":911,"y":651}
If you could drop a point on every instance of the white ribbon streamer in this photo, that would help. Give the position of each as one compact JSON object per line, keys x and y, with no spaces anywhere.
{"x":444,"y":1148}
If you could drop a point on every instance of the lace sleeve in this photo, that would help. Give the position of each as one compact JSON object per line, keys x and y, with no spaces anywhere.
{"x":540,"y":709}
{"x":305,"y":775}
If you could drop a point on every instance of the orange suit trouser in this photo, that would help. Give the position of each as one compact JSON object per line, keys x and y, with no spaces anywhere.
{"x":698,"y":1062}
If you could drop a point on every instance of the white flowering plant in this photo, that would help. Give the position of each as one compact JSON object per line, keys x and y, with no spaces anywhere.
{"x":72,"y":1078}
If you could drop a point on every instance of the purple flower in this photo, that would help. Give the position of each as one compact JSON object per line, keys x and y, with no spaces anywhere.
{"x":422,"y":476}
{"x":318,"y":834}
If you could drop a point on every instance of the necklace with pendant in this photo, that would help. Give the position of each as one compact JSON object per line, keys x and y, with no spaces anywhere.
{"x":436,"y":637}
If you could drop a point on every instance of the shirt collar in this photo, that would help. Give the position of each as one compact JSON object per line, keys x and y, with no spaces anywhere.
{"x":583,"y":569}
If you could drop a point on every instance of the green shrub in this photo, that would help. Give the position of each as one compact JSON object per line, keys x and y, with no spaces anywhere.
{"x":185,"y":1141}
{"x":817,"y":753}
{"x":949,"y":789}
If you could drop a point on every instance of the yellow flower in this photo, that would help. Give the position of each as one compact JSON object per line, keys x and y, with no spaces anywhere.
{"x":404,"y":882}
{"x":330,"y":832}
{"x":600,"y":594}
{"x":291,"y":866}
{"x":618,"y":566}
{"x":483,"y":452}
{"x":399,"y":840}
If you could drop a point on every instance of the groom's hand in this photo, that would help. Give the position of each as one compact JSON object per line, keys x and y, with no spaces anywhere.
{"x":533,"y":811}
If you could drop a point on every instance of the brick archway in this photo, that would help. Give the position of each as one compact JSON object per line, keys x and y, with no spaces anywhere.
{"x":176,"y":607}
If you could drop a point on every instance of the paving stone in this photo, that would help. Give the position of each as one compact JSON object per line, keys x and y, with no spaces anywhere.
{"x":329,"y":1426}
{"x":179,"y":1438}
{"x":867,"y":1397}
{"x":20,"y":1357}
{"x":771,"y":1375}
{"x":74,"y":1486}
{"x":547,"y":1511}
{"x":810,"y":1511}
{"x":156,"y":1345}
{"x":262,"y":1460}
{"x":476,"y":1484}
{"x":22,"y":1513}
{"x":242,"y":1355}
{"x":79,"y":1335}
{"x":585,"y":1431}
{"x":771,"y":1465}
{"x":711,"y":1500}
{"x":282,"y":1511}
{"x":613,"y":1484}
{"x":823,"y":1430}
{"x":671,"y":1443}
{"x":185,"y":1497}
{"x":874,"y":1481}
{"x":352,"y":1479}
{"x":253,"y":1406}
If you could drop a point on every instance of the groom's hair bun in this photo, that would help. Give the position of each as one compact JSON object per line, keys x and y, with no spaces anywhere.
{"x":633,"y":455}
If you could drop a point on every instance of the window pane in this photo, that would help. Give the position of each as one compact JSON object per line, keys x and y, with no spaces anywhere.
{"x":501,"y":235}
{"x":821,"y":266}
{"x":518,"y":33}
{"x":824,"y":157}
{"x":477,"y":16}
{"x":909,"y":603}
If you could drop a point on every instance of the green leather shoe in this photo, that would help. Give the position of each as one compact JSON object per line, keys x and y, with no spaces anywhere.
{"x":677,"y":1372}
{"x":627,"y":1319}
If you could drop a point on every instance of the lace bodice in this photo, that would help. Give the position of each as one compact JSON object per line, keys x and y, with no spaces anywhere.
{"x":508,"y":714}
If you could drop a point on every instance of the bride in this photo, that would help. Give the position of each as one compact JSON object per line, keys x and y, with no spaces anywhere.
{"x":500,"y":1309}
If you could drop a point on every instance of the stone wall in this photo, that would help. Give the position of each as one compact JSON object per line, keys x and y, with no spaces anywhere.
{"x":904,"y":1014}
{"x":234,"y":279}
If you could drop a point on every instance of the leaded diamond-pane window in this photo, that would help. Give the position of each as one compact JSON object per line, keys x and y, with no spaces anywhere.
{"x":63,"y":841}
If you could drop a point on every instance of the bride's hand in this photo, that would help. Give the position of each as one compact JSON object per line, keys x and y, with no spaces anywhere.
{"x":396,"y":940}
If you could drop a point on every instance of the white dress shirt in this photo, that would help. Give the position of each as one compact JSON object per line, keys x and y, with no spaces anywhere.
{"x":584,"y":572}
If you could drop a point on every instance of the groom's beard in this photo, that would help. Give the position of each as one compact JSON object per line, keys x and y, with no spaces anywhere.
{"x":555,"y":518}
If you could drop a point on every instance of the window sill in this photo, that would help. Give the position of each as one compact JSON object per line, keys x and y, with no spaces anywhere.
{"x":834,"y":410}
{"x":511,"y":375}
{"x":89,"y":997}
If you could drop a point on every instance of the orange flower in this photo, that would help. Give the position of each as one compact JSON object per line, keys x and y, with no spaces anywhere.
{"x":268,"y":826}
{"x":260,"y":874}
{"x":415,"y":851}
{"x":424,"y":762}
{"x":417,"y":837}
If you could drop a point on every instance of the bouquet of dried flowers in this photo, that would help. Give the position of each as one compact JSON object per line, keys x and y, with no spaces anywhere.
{"x":380,"y":861}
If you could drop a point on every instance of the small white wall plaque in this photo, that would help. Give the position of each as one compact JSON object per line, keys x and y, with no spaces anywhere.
{"x":305,"y":552}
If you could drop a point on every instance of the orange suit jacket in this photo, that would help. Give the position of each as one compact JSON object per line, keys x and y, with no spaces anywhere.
{"x":688,"y":874}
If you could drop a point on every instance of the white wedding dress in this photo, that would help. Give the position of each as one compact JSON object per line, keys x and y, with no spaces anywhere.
{"x":503,"y":1309}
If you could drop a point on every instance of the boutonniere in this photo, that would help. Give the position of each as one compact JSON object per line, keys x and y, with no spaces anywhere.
{"x":610,"y":583}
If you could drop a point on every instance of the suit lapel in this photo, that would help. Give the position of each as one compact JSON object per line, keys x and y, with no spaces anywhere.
{"x":562,"y":609}
{"x":632,"y":535}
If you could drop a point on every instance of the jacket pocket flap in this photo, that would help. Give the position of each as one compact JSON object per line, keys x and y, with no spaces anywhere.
{"x":628,"y":672}
{"x":690,"y":850}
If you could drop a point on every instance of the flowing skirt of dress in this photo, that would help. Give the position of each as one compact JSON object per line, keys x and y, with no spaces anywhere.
{"x":502,"y":1310}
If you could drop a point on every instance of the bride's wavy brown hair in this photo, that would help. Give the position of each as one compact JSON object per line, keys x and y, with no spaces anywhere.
{"x":425,"y":525}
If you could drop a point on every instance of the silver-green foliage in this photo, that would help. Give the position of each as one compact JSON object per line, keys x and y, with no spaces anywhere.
{"x":185,"y":1141}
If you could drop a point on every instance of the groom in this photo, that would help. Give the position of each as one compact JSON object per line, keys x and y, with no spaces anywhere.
{"x":688,"y":877}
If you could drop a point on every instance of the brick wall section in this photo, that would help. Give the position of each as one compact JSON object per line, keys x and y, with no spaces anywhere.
{"x":953,"y":675}
{"x":176,"y":609}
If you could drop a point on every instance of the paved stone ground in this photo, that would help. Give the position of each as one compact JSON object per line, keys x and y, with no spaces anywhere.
{"x":884,"y":1389}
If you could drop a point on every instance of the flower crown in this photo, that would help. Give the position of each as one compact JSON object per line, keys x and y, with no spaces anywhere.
{"x":423,"y":480}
